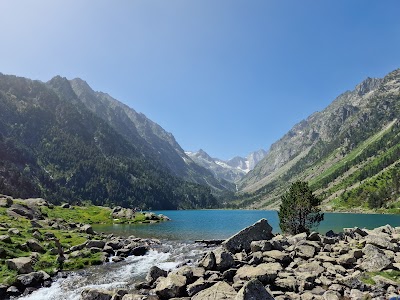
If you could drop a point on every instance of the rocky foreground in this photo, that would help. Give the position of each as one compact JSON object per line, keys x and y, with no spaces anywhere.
{"x":255,"y":264}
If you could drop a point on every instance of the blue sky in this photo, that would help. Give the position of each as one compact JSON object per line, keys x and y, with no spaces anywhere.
{"x":226,"y":76}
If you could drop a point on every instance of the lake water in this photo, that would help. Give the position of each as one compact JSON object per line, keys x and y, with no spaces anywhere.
{"x":190,"y":225}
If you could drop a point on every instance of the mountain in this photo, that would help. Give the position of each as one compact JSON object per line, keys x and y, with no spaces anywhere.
{"x":349,"y":152}
{"x":231,"y":170}
{"x":62,"y":141}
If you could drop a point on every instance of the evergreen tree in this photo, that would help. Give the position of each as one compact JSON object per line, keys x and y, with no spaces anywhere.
{"x":299,"y":211}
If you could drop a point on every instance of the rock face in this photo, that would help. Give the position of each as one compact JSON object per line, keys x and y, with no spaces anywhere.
{"x":242,"y":240}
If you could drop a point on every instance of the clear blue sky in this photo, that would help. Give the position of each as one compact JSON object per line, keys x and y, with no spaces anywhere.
{"x":227,"y":76}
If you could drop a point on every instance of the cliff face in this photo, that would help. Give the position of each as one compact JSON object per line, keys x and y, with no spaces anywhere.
{"x":325,"y":138}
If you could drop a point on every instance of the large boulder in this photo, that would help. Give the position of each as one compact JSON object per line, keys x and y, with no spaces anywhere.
{"x":22,"y":265}
{"x":171,"y":286}
{"x":87,"y":229}
{"x":219,"y":291}
{"x":253,"y":290}
{"x":22,"y":210}
{"x":208,"y":261}
{"x":260,"y":230}
{"x":96,"y":244}
{"x":223,"y":259}
{"x":34,"y":245}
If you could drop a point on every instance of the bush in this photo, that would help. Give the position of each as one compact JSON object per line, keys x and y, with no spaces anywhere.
{"x":299,"y":211}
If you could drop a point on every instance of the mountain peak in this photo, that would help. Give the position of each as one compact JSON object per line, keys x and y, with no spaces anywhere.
{"x":367,"y":85}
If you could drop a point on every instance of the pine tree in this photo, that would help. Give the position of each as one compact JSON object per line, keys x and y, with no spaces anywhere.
{"x":299,"y":211}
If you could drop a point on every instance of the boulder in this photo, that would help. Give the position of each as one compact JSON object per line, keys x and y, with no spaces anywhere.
{"x":95,"y":243}
{"x":381,"y":242}
{"x":154,"y":273}
{"x":208,"y":261}
{"x":375,"y":263}
{"x":92,"y":294}
{"x":34,"y":246}
{"x":277,"y":255}
{"x":5,"y":239}
{"x":33,"y":279}
{"x":263,"y":245}
{"x":139,"y":251}
{"x":219,"y":291}
{"x":287,"y":284}
{"x":20,"y":210}
{"x":260,"y":230}
{"x":266,"y":272}
{"x":22,"y":265}
{"x":87,"y":229}
{"x":171,"y":286}
{"x":305,"y":251}
{"x":197,"y":286}
{"x":223,"y":259}
{"x":253,"y":289}
{"x":6,"y":202}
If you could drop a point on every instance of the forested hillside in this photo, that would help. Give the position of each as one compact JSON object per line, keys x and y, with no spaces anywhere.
{"x":53,"y":146}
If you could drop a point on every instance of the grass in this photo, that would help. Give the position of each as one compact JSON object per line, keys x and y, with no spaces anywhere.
{"x":367,"y":277}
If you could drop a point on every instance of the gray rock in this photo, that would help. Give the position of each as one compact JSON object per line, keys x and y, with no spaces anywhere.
{"x":287,"y":284}
{"x":32,"y":279}
{"x":171,"y":286}
{"x":197,"y":286}
{"x":219,"y":291}
{"x":5,"y":202}
{"x":381,"y":242}
{"x":279,"y":256}
{"x":314,"y":236}
{"x":314,"y":268}
{"x":346,"y":259}
{"x":293,"y":240}
{"x":154,"y":273}
{"x":263,"y":245}
{"x":305,"y":251}
{"x":384,"y":282}
{"x":376,"y":263}
{"x":223,"y":259}
{"x":22,"y":265}
{"x":139,"y":251}
{"x":208,"y":262}
{"x":253,"y":290}
{"x":87,"y":229}
{"x":95,"y":243}
{"x":35,"y":246}
{"x":92,"y":294}
{"x":14,"y":231}
{"x":260,"y":230}
{"x":266,"y":272}
{"x":5,"y":239}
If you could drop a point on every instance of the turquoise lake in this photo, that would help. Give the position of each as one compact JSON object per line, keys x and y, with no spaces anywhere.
{"x":190,"y":225}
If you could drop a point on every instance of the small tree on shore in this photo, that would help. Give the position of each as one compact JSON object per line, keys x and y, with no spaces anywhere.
{"x":299,"y":211}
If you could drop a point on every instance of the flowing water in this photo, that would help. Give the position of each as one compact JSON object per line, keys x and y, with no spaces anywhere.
{"x":177,"y":245}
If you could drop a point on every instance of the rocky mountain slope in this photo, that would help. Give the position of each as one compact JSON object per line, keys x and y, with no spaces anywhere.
{"x":231,"y":170}
{"x":52,"y":145}
{"x":349,"y":147}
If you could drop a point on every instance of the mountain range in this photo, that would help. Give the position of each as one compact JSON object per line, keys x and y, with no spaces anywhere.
{"x":349,"y":152}
{"x":63,"y":141}
{"x":231,"y":170}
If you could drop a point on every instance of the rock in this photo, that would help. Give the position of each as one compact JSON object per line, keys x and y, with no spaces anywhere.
{"x":346,"y":259}
{"x":35,"y":246}
{"x":208,"y":262}
{"x":253,"y":290}
{"x":375,"y":263}
{"x":197,"y":286}
{"x":37,"y":235}
{"x":87,"y":229}
{"x":22,"y":265}
{"x":263,"y":245}
{"x":35,"y":224}
{"x":171,"y":286}
{"x":3,"y":253}
{"x":65,"y":205}
{"x":22,"y":210}
{"x":77,"y":247}
{"x":223,"y":259}
{"x":117,"y":259}
{"x":6,"y":202}
{"x":219,"y":291}
{"x":260,"y":230}
{"x":139,"y":251}
{"x":116,"y":245}
{"x":266,"y":272}
{"x":95,"y":243}
{"x":154,"y":273}
{"x":352,"y":282}
{"x":14,"y":231}
{"x":287,"y":284}
{"x":314,"y":236}
{"x":33,"y":279}
{"x":305,"y":251}
{"x":13,"y":291}
{"x":293,"y":240}
{"x":314,"y":268}
{"x":331,"y":295}
{"x":92,"y":294}
{"x":278,"y":256}
{"x":381,"y":242}
{"x":384,"y":282}
{"x":5,"y":239}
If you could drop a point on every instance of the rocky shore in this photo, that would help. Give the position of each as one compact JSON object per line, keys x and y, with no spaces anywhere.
{"x":36,"y":249}
{"x":256,"y":264}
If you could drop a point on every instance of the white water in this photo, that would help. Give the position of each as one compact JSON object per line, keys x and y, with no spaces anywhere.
{"x":122,"y":275}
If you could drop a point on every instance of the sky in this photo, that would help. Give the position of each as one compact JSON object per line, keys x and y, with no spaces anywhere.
{"x":227,"y":76}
